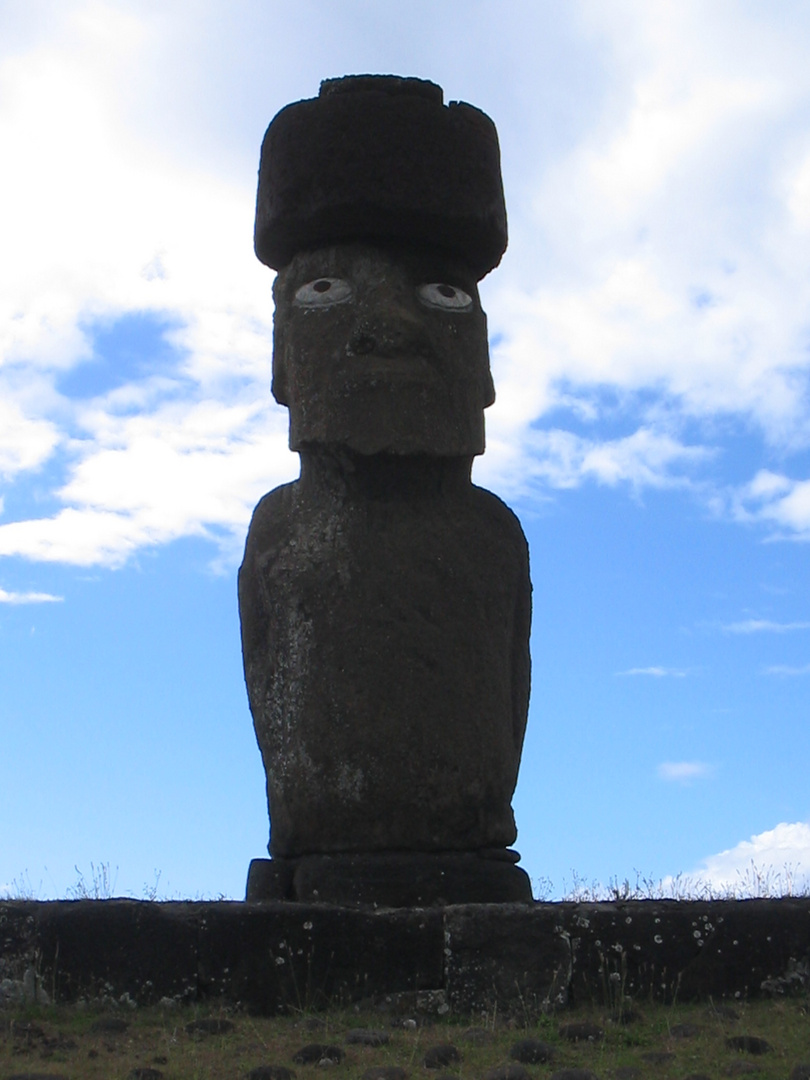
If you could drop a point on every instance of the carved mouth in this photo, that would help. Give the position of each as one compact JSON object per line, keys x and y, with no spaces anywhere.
{"x":400,"y":366}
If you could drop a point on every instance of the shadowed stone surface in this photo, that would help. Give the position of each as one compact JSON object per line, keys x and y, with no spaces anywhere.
{"x":398,"y":879}
{"x":522,"y":959}
{"x":385,"y":618}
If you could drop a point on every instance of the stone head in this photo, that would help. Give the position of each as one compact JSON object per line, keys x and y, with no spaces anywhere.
{"x":381,"y":350}
{"x":381,"y":208}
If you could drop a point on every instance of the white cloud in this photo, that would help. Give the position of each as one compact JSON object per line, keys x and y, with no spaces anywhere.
{"x":684,"y":772}
{"x":775,"y":500}
{"x":659,"y":253}
{"x":184,"y":469}
{"x":656,"y":672}
{"x":560,"y":459}
{"x":28,"y":598}
{"x":127,"y":230}
{"x":785,"y":669}
{"x":25,"y":443}
{"x":757,"y":626}
{"x":771,"y":862}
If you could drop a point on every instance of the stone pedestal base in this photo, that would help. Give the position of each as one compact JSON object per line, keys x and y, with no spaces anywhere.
{"x":392,"y":879}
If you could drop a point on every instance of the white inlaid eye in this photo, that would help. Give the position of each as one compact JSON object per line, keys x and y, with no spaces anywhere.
{"x":322,"y":292}
{"x":448,"y":297}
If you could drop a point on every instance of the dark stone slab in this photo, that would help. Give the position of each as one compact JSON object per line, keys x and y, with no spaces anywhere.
{"x":276,"y":956}
{"x":514,"y":955}
{"x":409,"y":879}
{"x":695,"y":950}
{"x":523,"y":958}
{"x":94,"y":948}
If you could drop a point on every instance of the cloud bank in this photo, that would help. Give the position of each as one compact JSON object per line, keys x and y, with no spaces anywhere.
{"x":654,"y":297}
{"x":774,"y":862}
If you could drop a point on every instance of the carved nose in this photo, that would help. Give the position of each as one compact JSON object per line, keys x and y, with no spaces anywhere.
{"x":389,"y":338}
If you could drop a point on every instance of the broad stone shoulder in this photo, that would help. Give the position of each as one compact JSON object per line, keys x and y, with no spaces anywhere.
{"x":497,"y":511}
{"x":272,"y":518}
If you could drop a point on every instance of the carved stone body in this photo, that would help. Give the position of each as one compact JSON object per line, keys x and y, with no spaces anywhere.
{"x":385,"y":621}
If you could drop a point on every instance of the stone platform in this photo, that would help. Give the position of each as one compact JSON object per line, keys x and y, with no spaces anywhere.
{"x":520,"y":958}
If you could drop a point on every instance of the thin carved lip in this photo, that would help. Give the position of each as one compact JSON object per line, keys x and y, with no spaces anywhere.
{"x":375,"y":366}
{"x":380,"y":363}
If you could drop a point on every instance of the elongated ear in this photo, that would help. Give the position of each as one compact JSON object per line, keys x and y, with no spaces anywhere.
{"x":489,"y":389}
{"x":487,"y":385}
{"x":278,"y":386}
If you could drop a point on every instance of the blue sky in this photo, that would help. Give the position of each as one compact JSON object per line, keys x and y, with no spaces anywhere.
{"x":650,"y":330}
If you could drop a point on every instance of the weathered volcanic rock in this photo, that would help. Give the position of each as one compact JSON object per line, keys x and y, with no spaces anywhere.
{"x":385,"y":616}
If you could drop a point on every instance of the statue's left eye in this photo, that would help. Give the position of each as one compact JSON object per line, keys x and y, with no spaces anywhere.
{"x":441,"y":295}
{"x":322,"y":292}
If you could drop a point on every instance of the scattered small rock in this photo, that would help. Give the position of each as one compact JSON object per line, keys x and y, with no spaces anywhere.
{"x":574,"y":1074}
{"x":582,"y":1031}
{"x":748,"y":1044}
{"x":211,"y":1025}
{"x":160,"y":1059}
{"x":513,"y":1071}
{"x":271,"y":1072}
{"x":531,"y":1052}
{"x":411,"y":1023}
{"x":367,"y":1037}
{"x":685,"y":1031}
{"x":441,"y":1055}
{"x":109,"y":1025}
{"x":318,"y":1054}
{"x":385,"y":1072}
{"x":657,"y":1057}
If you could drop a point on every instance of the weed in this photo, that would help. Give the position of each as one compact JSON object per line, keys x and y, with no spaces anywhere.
{"x":100,"y":886}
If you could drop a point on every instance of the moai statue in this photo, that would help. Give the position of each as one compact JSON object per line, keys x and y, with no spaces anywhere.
{"x":385,"y":600}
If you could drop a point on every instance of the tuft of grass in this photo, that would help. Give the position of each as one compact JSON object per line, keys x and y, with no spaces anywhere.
{"x":100,"y":885}
{"x":755,"y":882}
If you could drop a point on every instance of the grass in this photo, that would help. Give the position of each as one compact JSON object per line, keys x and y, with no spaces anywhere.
{"x":761,"y":882}
{"x":70,"y":1042}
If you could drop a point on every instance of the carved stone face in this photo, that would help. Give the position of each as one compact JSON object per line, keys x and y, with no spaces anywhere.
{"x":381,"y":351}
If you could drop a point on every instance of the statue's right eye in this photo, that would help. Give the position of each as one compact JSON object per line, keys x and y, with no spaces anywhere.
{"x":322,"y":292}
